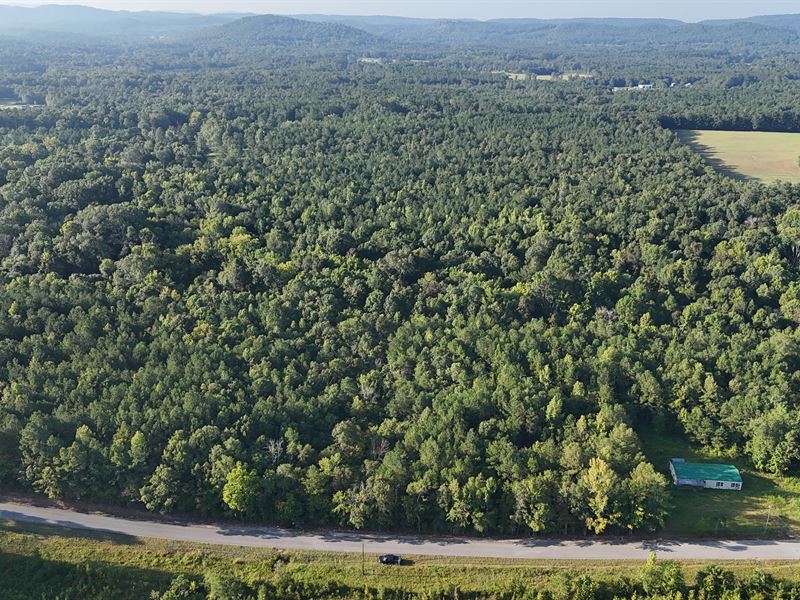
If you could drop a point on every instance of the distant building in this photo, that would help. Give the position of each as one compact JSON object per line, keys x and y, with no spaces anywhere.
{"x":642,"y":87}
{"x":705,"y":475}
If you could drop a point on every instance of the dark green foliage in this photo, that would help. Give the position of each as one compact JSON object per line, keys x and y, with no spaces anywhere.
{"x":408,"y":295}
{"x":26,"y":577}
{"x":182,"y":588}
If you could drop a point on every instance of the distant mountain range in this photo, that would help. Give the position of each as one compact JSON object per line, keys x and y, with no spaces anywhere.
{"x":591,"y":31}
{"x":77,"y":22}
{"x":385,"y":20}
{"x":95,"y":22}
{"x":782,"y":21}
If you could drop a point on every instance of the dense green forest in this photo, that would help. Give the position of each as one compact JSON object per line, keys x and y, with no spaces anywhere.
{"x":275,"y":281}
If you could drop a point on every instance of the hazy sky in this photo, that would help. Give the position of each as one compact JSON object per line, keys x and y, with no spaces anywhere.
{"x":686,"y":10}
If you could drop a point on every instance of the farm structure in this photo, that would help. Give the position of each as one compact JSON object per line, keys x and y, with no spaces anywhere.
{"x":705,"y":475}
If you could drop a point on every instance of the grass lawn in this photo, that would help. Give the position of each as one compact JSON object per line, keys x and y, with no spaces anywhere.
{"x":36,"y":560}
{"x":761,"y":155}
{"x":708,"y":513}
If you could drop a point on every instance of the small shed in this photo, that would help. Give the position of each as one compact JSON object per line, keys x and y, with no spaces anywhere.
{"x":705,"y":475}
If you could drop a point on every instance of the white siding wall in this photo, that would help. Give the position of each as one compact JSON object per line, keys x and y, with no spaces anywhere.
{"x":722,"y":485}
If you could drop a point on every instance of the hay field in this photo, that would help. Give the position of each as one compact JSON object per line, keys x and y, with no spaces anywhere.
{"x":765,"y":156}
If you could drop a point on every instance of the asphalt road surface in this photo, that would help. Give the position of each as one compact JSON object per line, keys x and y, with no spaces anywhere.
{"x":335,"y":541}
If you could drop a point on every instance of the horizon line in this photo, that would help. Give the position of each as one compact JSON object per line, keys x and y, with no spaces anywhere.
{"x":38,"y":5}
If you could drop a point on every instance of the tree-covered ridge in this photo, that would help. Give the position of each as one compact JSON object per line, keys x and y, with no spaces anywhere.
{"x":569,"y":33}
{"x":22,"y":21}
{"x":314,"y":291}
{"x":271,"y":30}
{"x":80,"y":24}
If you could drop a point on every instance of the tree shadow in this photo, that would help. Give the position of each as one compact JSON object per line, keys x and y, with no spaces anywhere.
{"x":64,"y":529}
{"x":709,"y":154}
{"x":33,"y":576}
{"x":365,"y":537}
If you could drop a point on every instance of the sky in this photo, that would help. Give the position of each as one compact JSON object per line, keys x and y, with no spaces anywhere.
{"x":685,"y":10}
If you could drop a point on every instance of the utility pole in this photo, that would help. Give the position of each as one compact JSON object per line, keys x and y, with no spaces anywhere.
{"x":363,"y":560}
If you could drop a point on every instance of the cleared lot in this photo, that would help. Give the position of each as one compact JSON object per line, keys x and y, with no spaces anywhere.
{"x":761,"y":155}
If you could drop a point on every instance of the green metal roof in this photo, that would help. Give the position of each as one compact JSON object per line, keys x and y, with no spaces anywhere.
{"x":708,"y":471}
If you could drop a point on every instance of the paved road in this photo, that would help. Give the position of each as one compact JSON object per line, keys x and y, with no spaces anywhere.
{"x":268,"y":537}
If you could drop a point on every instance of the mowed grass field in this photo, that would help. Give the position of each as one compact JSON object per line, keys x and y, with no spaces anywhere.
{"x":761,"y":155}
{"x":767,"y":506}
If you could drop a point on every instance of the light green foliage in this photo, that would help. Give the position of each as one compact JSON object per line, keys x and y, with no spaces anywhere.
{"x":535,"y":501}
{"x":662,"y":577}
{"x":601,"y":486}
{"x":139,"y":449}
{"x":241,"y":491}
{"x":223,"y":587}
{"x":647,"y":498}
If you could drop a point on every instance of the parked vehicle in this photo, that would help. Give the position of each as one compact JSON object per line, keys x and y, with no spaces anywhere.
{"x":390,"y":559}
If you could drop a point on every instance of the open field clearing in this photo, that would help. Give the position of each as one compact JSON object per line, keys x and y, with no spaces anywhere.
{"x":763,"y":155}
{"x":767,"y":506}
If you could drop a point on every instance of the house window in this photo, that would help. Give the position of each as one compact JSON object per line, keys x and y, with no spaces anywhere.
{"x":720,"y":484}
{"x":735,"y":486}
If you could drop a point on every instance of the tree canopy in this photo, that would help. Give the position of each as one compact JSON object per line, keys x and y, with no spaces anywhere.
{"x":297,"y":286}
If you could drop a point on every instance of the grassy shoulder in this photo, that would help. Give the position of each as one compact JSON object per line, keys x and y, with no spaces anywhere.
{"x":768,"y":506}
{"x":38,"y":561}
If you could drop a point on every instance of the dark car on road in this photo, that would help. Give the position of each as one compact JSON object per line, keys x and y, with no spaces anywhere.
{"x":390,"y":559}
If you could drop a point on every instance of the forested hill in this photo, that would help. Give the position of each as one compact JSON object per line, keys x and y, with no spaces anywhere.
{"x":82,"y":20}
{"x":780,"y":21}
{"x":276,"y":31}
{"x":622,"y":33}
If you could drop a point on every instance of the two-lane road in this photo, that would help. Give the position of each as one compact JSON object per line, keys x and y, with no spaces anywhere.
{"x":337,"y":541}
